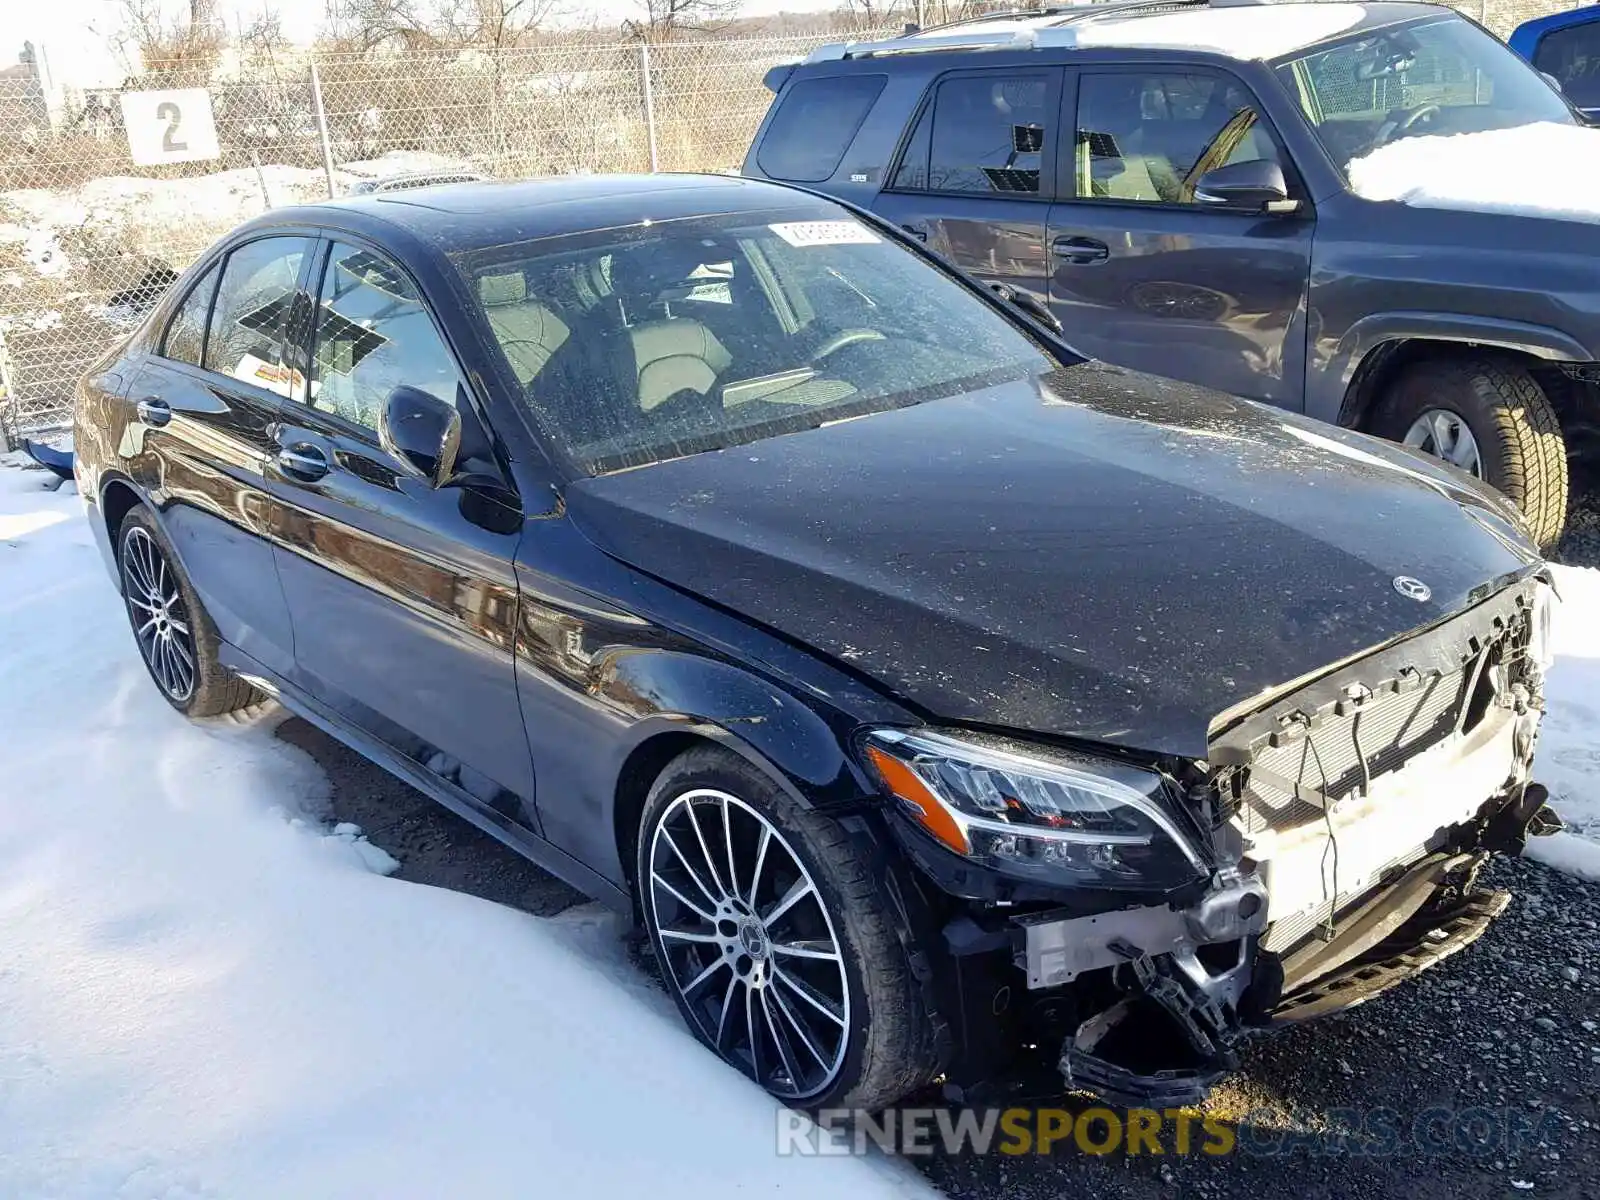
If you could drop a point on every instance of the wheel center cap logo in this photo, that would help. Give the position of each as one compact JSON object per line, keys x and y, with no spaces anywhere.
{"x":753,"y":940}
{"x":1412,"y":589}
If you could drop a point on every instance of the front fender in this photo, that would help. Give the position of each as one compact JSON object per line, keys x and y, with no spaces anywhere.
{"x":1328,"y":391}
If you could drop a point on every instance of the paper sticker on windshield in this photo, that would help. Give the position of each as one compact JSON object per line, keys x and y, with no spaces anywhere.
{"x":825,"y":233}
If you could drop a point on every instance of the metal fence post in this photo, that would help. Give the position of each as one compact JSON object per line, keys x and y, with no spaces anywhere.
{"x":322,"y":128}
{"x":649,"y":104}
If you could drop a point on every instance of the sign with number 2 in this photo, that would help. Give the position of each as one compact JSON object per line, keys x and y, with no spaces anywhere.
{"x":169,"y":126}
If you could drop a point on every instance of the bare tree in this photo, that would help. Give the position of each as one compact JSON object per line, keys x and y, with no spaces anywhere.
{"x":662,"y":20}
{"x":193,"y":38}
{"x":421,"y":24}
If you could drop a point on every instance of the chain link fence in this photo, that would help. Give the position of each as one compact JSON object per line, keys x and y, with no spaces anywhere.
{"x":89,"y":240}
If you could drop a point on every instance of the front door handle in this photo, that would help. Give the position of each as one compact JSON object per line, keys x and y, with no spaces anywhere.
{"x":916,"y":231}
{"x":1080,"y":251}
{"x":303,"y":461}
{"x":153,"y":410}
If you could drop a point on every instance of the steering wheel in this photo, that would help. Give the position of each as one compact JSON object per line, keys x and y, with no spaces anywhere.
{"x":840,"y":340}
{"x":1400,"y":126}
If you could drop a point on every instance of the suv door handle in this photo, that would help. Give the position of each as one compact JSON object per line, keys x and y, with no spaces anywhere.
{"x":153,"y":410}
{"x":303,"y":461}
{"x":1080,"y":251}
{"x":917,"y":231}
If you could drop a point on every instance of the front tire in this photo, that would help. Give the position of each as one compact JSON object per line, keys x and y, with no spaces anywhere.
{"x":1487,"y":415}
{"x":776,"y":940}
{"x":176,"y":638}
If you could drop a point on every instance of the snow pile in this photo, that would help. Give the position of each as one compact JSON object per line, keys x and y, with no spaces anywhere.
{"x":1568,"y":762}
{"x":202,"y":994}
{"x":165,"y":219}
{"x":1541,"y":170}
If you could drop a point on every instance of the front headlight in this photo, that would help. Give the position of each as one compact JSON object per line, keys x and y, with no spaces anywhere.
{"x":1072,"y":821}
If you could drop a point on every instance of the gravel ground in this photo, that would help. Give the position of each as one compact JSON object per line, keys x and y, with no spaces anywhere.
{"x":1508,"y":1026}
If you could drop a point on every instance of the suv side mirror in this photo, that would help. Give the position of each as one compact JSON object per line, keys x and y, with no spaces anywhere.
{"x":1256,"y":186}
{"x":421,"y":429}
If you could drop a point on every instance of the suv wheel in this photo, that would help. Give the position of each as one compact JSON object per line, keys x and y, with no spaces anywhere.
{"x":1488,"y":416}
{"x":776,"y":940}
{"x":175,"y":636}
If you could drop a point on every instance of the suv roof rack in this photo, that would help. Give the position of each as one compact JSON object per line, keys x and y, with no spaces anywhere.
{"x":963,"y":36}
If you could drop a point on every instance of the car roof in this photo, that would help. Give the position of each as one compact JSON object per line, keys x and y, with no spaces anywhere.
{"x":1525,"y":38}
{"x":462,"y":217}
{"x":1237,"y":29}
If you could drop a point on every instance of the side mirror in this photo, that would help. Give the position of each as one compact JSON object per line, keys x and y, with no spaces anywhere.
{"x":1256,"y":186}
{"x":1027,"y":305}
{"x":419,"y":428}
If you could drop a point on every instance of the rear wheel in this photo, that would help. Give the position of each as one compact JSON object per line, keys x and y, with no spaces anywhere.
{"x":175,"y":637}
{"x":776,"y":940}
{"x":1488,"y":416}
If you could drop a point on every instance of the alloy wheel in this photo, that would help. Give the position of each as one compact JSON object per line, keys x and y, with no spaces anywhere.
{"x":748,"y":943}
{"x":161,"y":622}
{"x":1445,"y":435}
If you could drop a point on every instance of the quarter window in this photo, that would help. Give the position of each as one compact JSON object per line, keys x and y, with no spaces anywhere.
{"x":815,"y":124}
{"x":982,"y":134}
{"x":373,"y":334}
{"x":1572,"y":55}
{"x":1149,"y":138}
{"x":185,"y":338}
{"x":246,"y":339}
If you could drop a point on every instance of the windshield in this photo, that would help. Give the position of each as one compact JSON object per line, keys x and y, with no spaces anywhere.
{"x":1441,"y":76}
{"x":660,"y":340}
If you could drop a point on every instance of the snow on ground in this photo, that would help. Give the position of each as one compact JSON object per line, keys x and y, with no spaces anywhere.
{"x":1568,"y":762}
{"x":1541,"y":170}
{"x":204,"y":993}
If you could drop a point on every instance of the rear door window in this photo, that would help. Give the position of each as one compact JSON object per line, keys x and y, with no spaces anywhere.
{"x":1572,"y":55}
{"x":185,"y":338}
{"x":251,"y":313}
{"x":815,"y":123}
{"x":984,"y":133}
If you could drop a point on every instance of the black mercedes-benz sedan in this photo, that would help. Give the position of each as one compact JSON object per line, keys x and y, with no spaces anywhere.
{"x":936,"y":698}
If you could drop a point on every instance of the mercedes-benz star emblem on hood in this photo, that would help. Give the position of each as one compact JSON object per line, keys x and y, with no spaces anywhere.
{"x":1411,"y":588}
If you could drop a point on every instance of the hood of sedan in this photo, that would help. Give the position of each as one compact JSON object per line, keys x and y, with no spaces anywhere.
{"x":1095,"y":553}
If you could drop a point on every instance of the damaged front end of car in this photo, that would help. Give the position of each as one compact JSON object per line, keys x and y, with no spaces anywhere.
{"x":1128,"y":922}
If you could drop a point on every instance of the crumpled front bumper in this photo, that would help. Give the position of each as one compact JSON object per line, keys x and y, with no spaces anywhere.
{"x":1179,"y":1013}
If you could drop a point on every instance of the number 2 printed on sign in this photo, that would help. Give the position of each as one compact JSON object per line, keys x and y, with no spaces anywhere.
{"x":173,"y":115}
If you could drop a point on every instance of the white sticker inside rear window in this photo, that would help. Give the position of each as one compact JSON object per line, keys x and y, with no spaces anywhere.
{"x":825,"y":233}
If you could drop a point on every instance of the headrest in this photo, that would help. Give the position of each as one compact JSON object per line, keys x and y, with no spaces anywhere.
{"x":510,"y":288}
{"x":647,"y":271}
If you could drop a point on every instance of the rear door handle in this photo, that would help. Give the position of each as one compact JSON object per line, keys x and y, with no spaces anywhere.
{"x":303,"y":461}
{"x":153,"y":410}
{"x":916,"y":231}
{"x":1080,"y":251}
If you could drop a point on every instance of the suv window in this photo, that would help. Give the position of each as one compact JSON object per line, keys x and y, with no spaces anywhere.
{"x":1149,"y":137}
{"x":982,"y":133}
{"x":252,"y":309}
{"x":815,"y":124}
{"x":1435,"y":78}
{"x":185,"y":338}
{"x":373,"y":334}
{"x":1572,"y":55}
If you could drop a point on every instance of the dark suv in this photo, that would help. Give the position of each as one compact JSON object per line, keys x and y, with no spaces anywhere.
{"x":1314,"y":205}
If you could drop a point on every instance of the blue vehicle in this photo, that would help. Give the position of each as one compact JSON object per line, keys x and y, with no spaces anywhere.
{"x":1566,"y":46}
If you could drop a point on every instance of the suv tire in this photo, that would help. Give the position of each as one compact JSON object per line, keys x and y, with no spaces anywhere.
{"x":730,"y":963}
{"x":175,"y":637}
{"x":1518,"y":438}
